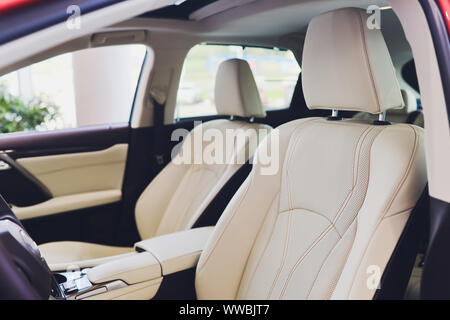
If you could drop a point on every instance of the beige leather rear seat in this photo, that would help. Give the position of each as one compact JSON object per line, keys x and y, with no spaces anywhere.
{"x":176,"y":198}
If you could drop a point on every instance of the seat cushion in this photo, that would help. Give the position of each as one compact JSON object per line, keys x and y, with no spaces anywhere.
{"x":72,"y":255}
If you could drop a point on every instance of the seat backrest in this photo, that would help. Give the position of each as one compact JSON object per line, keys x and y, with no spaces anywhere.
{"x":326,"y":223}
{"x":179,"y":194}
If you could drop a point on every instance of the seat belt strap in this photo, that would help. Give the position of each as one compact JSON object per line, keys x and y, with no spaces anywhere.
{"x":158,"y":100}
{"x":413,"y":116}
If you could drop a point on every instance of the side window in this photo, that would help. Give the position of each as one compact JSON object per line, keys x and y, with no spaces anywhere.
{"x":87,"y":87}
{"x":276,"y":73}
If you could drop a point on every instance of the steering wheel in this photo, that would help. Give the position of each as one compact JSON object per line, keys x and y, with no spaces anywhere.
{"x":24,"y":274}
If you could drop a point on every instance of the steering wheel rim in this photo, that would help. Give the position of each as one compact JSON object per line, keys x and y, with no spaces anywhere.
{"x":24,"y":274}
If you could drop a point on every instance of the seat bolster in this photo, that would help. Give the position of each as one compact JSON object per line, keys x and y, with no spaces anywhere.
{"x":70,"y":255}
{"x":224,"y":258}
{"x":154,"y":200}
{"x":398,"y":177}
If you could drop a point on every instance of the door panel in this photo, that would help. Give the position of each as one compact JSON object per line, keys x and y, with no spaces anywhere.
{"x":95,"y":224}
{"x":66,"y":184}
{"x":34,"y":143}
{"x":74,"y":173}
{"x":62,"y":162}
{"x":68,"y":203}
{"x":20,"y":183}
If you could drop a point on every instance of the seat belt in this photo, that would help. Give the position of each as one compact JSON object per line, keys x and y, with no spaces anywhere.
{"x":158,"y":100}
{"x":397,"y":273}
{"x":412,"y":117}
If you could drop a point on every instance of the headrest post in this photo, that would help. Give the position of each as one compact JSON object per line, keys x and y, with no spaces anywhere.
{"x":334,"y":115}
{"x":381,"y":120}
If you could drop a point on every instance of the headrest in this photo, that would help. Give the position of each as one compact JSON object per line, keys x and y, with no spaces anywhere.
{"x":236,"y":93}
{"x":410,"y":103}
{"x":347,"y":66}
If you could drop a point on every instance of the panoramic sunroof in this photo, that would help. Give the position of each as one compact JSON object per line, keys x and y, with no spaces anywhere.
{"x":179,"y":12}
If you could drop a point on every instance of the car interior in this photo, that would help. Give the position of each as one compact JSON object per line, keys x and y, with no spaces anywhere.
{"x":124,"y":210}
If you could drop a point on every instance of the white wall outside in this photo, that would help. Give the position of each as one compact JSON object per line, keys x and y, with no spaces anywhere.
{"x":105,"y":81}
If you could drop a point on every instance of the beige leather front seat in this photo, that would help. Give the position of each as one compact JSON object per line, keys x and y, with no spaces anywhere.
{"x":176,"y":198}
{"x":325,"y":225}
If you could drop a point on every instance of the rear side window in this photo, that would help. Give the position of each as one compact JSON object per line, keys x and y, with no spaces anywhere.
{"x":275,"y":71}
{"x":86,"y":87}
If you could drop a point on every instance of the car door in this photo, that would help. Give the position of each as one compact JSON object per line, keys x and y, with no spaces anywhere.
{"x":66,"y":141}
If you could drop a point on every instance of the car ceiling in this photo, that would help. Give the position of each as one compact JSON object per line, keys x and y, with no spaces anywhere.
{"x":255,"y":22}
{"x":265,"y":21}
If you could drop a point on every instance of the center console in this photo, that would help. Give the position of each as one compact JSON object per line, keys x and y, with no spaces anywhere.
{"x":139,"y":275}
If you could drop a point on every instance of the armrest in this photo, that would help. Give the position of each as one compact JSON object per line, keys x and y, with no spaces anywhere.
{"x":132,"y":269}
{"x":68,"y":203}
{"x":177,"y":251}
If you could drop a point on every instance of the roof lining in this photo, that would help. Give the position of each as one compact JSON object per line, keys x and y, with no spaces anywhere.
{"x":217,"y":7}
{"x":180,"y":11}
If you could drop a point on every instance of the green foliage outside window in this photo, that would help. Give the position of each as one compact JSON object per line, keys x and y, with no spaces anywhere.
{"x":17,"y":114}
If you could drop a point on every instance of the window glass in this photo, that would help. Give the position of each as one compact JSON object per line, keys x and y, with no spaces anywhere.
{"x":87,"y":87}
{"x":275,"y":71}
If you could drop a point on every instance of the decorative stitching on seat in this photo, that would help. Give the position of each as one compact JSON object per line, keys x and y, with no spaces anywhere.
{"x":355,"y":218}
{"x":326,"y":258}
{"x":269,"y":238}
{"x":303,"y":125}
{"x":358,"y":146}
{"x":292,"y":147}
{"x":251,"y":177}
{"x":181,"y":220}
{"x":283,"y":259}
{"x":305,"y":209}
{"x":394,"y":195}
